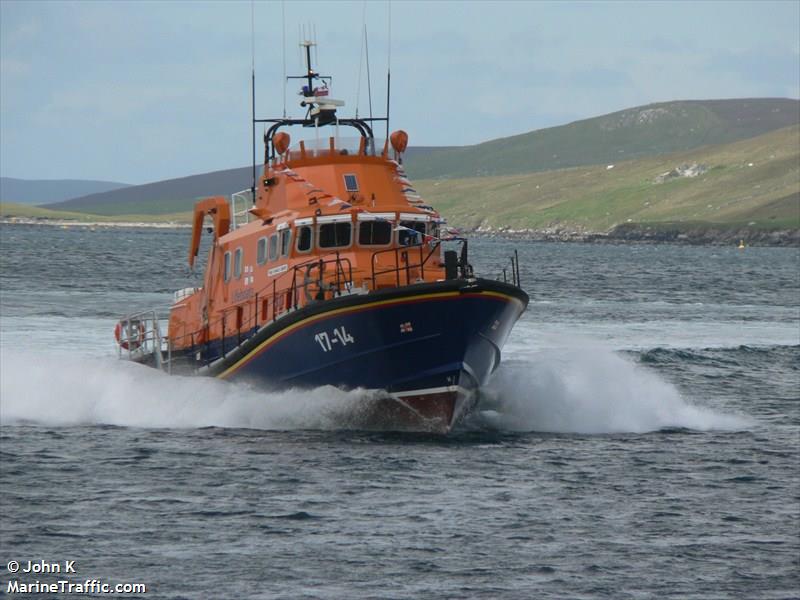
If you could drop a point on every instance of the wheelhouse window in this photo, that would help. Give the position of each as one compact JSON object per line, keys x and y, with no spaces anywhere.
{"x":286,"y":242}
{"x":350,"y":182}
{"x":237,"y":263}
{"x":374,"y":233}
{"x":305,"y":238}
{"x":273,"y":247}
{"x":226,"y":271}
{"x":334,"y":235}
{"x":262,"y":251}
{"x":410,"y":233}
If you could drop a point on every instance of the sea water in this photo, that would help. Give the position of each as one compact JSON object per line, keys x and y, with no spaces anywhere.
{"x":641,"y":439}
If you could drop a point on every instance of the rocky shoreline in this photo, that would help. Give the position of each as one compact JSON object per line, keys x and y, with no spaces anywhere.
{"x":67,"y":223}
{"x":699,"y":234}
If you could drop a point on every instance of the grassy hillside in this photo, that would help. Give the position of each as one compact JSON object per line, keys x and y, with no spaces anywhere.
{"x":10,"y":209}
{"x":637,"y":132}
{"x":752,"y":181}
{"x":731,"y":192}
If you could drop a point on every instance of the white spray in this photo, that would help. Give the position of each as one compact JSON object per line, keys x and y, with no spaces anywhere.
{"x":589,"y":389}
{"x":54,"y":390}
{"x":583,"y":390}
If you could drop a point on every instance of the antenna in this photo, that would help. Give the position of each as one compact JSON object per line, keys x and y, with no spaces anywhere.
{"x":389,"y":71}
{"x":253,"y":90}
{"x":314,"y":39}
{"x":361,"y":55}
{"x":369,"y":84}
{"x":299,"y":46}
{"x":283,"y":22}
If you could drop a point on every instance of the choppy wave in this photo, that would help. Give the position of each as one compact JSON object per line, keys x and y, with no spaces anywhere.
{"x":621,"y":333}
{"x":739,"y":355}
{"x":585,"y":390}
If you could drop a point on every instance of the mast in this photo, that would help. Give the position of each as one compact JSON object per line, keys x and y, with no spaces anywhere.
{"x":310,"y":74}
{"x":321,"y":107}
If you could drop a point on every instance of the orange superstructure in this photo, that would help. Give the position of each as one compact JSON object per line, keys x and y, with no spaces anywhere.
{"x":323,"y":222}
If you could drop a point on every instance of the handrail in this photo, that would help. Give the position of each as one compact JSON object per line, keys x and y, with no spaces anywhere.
{"x":139,"y":334}
{"x":403,"y":252}
{"x":362,"y":125}
{"x":282,"y":301}
{"x":271,"y":303}
{"x":515,"y":278}
{"x":245,"y":197}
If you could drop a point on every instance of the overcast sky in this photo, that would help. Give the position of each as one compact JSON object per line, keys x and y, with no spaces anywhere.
{"x":144,"y":91}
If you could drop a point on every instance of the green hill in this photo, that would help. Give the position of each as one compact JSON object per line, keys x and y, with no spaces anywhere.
{"x":636,"y":132}
{"x":16,"y":210}
{"x":751,"y":181}
{"x":752,"y":184}
{"x":682,"y":165}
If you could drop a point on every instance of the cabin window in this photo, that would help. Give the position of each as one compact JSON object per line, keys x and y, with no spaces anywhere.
{"x":334,"y":235}
{"x":304,"y":238}
{"x":350,"y":183}
{"x":374,"y":233}
{"x":226,"y":272}
{"x":410,"y":233}
{"x":286,"y":241}
{"x":237,"y":263}
{"x":262,"y":251}
{"x":273,"y":247}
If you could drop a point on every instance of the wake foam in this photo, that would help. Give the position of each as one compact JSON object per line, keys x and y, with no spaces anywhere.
{"x":571,"y":390}
{"x":590,"y":390}
{"x":54,"y":390}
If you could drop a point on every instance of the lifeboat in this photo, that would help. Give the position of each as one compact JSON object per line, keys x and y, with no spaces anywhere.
{"x":331,"y":270}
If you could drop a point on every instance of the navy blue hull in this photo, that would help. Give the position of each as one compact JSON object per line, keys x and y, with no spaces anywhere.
{"x":429,"y":344}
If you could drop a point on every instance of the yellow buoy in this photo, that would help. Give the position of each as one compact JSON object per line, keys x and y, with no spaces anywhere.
{"x":741,"y":245}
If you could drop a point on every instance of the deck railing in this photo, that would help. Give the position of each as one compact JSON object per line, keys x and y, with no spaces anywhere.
{"x":404,"y":263}
{"x":305,"y":283}
{"x":318,"y":279}
{"x":138,"y":336}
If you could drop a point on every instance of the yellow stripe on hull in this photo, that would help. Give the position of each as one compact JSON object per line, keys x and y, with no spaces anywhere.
{"x":350,"y":309}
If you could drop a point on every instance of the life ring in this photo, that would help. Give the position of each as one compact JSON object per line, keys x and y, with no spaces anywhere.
{"x":136,"y":339}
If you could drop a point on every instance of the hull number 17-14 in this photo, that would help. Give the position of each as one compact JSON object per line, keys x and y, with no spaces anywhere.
{"x":337,"y":337}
